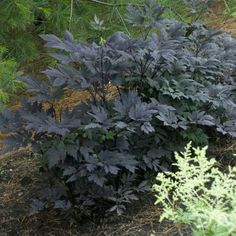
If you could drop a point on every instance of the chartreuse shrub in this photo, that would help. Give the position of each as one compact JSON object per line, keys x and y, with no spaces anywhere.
{"x":8,"y":83}
{"x":176,"y":81}
{"x":198,"y":194}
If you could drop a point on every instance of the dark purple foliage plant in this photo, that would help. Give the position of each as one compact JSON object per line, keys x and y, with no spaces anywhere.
{"x":175,"y":83}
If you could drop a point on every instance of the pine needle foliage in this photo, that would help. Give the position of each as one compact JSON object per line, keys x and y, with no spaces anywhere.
{"x":22,"y":21}
{"x":230,"y":8}
{"x":8,"y":83}
{"x":185,"y":10}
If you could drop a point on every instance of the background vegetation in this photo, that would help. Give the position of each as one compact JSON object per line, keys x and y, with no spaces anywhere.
{"x":230,"y":8}
{"x":23,"y":20}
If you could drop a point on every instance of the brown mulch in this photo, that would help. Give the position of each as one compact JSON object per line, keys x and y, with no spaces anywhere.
{"x":216,"y":19}
{"x":21,"y":180}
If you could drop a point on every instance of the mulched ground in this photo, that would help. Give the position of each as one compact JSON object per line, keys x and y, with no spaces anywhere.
{"x":217,"y":20}
{"x":21,"y":180}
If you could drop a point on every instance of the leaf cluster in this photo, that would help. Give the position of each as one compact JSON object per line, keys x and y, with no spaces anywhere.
{"x":176,"y":78}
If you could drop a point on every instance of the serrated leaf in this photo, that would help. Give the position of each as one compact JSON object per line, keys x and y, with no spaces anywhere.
{"x":62,"y":204}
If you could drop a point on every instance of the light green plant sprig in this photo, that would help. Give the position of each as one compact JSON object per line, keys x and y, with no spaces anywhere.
{"x":198,"y":194}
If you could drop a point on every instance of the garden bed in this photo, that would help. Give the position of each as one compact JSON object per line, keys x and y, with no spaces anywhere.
{"x":21,"y":180}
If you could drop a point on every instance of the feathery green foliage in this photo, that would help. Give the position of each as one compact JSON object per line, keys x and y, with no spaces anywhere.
{"x":184,"y":10}
{"x":22,"y":21}
{"x":8,"y":83}
{"x":230,"y":8}
{"x":198,"y":194}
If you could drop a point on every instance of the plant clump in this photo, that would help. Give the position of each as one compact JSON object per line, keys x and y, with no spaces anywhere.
{"x":198,"y":194}
{"x":174,"y":84}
